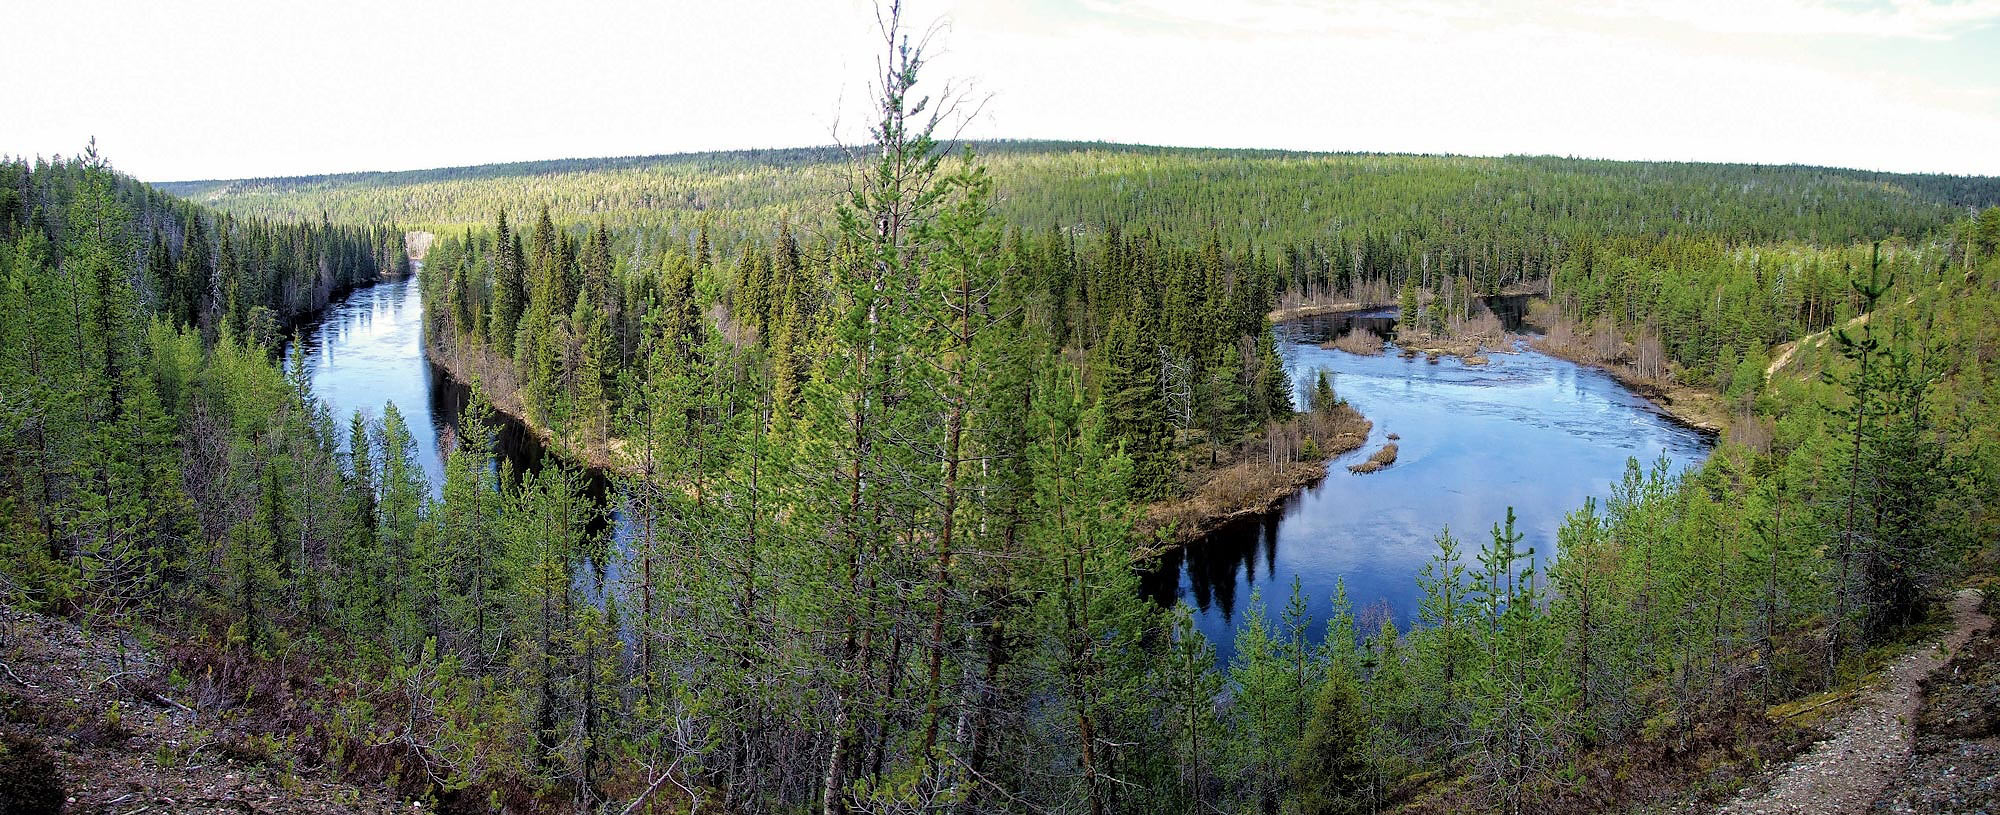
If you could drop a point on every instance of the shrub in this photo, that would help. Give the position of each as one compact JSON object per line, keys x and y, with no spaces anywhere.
{"x":28,"y":781}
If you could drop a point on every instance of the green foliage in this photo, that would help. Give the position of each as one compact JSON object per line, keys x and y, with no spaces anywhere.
{"x":1497,"y":211}
{"x":877,"y":466}
{"x":1328,"y":773}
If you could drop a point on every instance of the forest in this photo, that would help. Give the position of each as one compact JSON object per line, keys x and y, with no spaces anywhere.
{"x":1495,"y":220}
{"x":881,"y":427}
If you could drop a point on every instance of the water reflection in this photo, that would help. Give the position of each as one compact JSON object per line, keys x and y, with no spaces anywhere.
{"x":1527,"y":431}
{"x":367,"y":350}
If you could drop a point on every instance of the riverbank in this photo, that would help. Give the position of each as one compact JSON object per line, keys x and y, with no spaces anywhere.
{"x":1640,"y":368}
{"x":1295,"y":311}
{"x":1693,"y":407}
{"x":1247,"y":483}
{"x":501,"y":386}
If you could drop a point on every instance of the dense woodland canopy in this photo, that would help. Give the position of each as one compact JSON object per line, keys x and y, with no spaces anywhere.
{"x":1495,"y":220}
{"x":878,"y":453}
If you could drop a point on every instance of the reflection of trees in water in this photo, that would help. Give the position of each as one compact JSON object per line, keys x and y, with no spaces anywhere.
{"x":1212,"y":566}
{"x":1317,"y":328}
{"x":514,"y":445}
{"x":1511,"y":309}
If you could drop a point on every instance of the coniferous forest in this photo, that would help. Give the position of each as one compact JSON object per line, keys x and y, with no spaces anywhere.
{"x":858,"y":457}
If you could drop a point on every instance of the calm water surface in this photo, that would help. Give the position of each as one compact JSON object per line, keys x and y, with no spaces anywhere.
{"x":1528,"y":430}
{"x":367,"y":351}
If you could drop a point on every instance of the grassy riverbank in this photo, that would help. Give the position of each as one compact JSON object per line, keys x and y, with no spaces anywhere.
{"x":1253,"y":478}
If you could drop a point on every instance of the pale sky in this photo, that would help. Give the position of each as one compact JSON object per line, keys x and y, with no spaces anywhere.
{"x":178,"y":89}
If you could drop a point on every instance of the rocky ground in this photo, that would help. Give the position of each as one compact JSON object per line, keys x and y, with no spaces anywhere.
{"x":89,"y":723}
{"x":1955,"y":767}
{"x":1870,"y":755}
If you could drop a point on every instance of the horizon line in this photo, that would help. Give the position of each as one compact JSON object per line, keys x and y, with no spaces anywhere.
{"x":1074,"y":143}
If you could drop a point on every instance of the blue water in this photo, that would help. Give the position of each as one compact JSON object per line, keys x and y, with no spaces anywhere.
{"x":365,"y":351}
{"x":1528,"y":431}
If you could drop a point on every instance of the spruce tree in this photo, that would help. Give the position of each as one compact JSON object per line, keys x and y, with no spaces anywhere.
{"x":1130,"y":399}
{"x":1328,"y":774}
{"x":510,"y":288}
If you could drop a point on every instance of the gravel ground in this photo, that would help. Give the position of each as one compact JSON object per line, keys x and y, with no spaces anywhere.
{"x":1956,"y":768}
{"x":1844,"y":775}
{"x":119,"y":747}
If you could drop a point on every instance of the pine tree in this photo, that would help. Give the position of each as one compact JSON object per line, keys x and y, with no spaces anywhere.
{"x":1223,"y":407}
{"x":194,"y":274}
{"x":592,"y":353}
{"x":467,"y":547}
{"x":1444,"y":645}
{"x":1263,"y":706}
{"x":1090,"y":620}
{"x":1273,"y":396}
{"x":1129,"y":395}
{"x":1864,"y":389}
{"x":399,"y":529}
{"x":1328,"y":773}
{"x":1409,"y":317}
{"x":547,"y":524}
{"x":1192,"y":687}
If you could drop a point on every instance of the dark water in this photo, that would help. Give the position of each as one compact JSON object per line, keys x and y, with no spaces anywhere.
{"x":367,"y":351}
{"x":1527,"y":430}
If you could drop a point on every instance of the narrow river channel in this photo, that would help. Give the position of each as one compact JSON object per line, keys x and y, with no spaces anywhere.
{"x":366,"y":351}
{"x":1528,"y":431}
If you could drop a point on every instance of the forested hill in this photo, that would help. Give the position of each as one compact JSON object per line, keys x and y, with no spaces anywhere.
{"x":1512,"y":205}
{"x":190,"y":264}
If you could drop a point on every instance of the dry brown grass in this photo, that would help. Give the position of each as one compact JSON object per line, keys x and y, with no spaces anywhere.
{"x":1481,"y":326}
{"x":1380,"y":460}
{"x":1356,"y":341}
{"x":1252,"y":479}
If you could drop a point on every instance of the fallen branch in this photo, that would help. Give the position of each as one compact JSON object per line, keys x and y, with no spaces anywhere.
{"x":634,"y":806}
{"x":113,"y":679}
{"x":17,"y":678}
{"x":1816,"y":706}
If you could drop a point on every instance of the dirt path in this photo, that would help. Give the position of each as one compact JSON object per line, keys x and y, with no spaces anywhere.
{"x":1844,"y":774}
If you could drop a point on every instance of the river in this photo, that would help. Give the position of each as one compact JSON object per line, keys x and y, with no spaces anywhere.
{"x":366,"y":350}
{"x":1528,"y":431}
